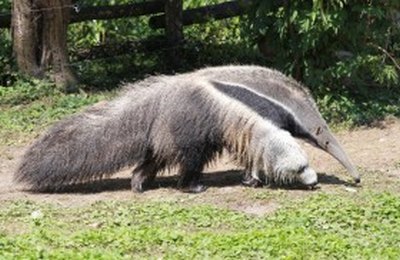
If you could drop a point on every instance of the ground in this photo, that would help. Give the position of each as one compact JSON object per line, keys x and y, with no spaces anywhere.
{"x":374,"y":150}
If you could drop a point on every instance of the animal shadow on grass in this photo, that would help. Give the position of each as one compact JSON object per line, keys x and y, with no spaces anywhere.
{"x":323,"y":178}
{"x":333,"y":180}
{"x":212,"y":179}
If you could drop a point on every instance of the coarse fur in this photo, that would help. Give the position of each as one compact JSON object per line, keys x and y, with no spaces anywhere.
{"x":282,"y":100}
{"x":157,"y":124}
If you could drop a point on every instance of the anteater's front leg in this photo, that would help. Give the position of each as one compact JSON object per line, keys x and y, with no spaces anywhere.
{"x":143,"y":176}
{"x":190,"y":175}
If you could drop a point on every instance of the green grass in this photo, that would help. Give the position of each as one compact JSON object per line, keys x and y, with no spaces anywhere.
{"x":29,"y":107}
{"x":355,"y":226}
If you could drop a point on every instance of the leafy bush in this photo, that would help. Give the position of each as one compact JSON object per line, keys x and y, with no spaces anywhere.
{"x":125,"y":29}
{"x":96,"y":32}
{"x":345,"y":51}
{"x":332,"y":43}
{"x":8,"y":72}
{"x":7,"y":68}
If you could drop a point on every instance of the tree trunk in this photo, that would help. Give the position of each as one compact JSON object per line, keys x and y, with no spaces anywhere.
{"x":25,"y":39}
{"x":39,"y":39}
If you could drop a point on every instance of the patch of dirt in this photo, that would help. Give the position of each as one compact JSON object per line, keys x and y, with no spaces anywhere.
{"x":257,"y":209}
{"x":375,"y":151}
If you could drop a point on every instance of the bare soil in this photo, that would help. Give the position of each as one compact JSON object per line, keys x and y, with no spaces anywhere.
{"x":375,"y":151}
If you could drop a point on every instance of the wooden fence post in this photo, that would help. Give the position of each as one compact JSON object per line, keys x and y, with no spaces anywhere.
{"x":174,"y":29}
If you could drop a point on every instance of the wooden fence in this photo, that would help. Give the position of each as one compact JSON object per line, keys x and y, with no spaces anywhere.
{"x":167,"y":14}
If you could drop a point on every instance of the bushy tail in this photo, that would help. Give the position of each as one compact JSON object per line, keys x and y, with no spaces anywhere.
{"x":80,"y":148}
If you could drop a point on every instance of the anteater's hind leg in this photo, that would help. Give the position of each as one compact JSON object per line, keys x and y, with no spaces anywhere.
{"x":143,"y":176}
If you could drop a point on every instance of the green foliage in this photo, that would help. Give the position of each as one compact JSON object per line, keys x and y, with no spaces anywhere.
{"x":332,"y":43}
{"x":86,"y":34}
{"x":342,"y":109}
{"x":8,"y":72}
{"x":7,"y":68}
{"x":5,"y":5}
{"x":98,"y":32}
{"x":345,"y":51}
{"x":323,"y":226}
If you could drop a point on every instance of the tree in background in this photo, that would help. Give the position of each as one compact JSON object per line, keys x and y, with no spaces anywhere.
{"x":39,"y":29}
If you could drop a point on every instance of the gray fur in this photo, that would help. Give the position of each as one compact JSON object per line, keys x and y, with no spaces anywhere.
{"x":282,"y":100}
{"x":157,"y":124}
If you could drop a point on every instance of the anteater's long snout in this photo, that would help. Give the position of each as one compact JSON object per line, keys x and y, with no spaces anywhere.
{"x":334,"y":149}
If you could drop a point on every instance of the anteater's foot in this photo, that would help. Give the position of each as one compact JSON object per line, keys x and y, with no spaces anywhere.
{"x":140,"y":183}
{"x":137,"y":187}
{"x":251,"y":182}
{"x":194,"y":188}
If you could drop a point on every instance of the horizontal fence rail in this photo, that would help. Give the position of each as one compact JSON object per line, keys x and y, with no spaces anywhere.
{"x":190,"y":16}
{"x":205,"y":13}
{"x":87,"y":13}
